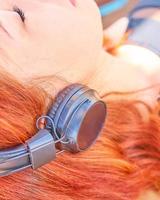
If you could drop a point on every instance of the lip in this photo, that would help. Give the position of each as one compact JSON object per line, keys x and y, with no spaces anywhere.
{"x":73,"y":2}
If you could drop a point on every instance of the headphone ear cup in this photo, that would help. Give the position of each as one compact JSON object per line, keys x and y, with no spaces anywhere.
{"x":61,"y":97}
{"x":78,"y":115}
{"x":85,"y":120}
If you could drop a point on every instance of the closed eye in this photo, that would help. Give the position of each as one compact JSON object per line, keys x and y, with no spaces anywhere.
{"x":20,"y":12}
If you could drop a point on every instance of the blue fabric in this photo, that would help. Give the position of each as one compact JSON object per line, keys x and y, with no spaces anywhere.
{"x":146,"y":34}
{"x":142,"y":4}
{"x":135,"y":22}
{"x":145,"y":31}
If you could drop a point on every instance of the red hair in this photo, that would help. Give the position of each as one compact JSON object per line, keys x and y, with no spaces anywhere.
{"x":124,"y":162}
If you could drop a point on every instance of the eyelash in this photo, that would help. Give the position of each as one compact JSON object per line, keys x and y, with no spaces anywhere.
{"x":20,"y":12}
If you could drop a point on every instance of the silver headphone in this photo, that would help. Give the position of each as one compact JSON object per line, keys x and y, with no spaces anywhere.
{"x":72,"y":124}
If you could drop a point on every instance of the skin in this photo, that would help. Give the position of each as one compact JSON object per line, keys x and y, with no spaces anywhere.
{"x":52,"y":39}
{"x":60,"y":39}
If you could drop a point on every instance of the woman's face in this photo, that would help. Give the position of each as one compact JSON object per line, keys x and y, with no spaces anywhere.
{"x":56,"y":35}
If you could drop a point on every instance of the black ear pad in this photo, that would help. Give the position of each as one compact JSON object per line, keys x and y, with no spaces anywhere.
{"x":60,"y":100}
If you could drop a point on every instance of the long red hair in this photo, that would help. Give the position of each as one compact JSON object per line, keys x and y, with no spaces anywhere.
{"x":124,"y":162}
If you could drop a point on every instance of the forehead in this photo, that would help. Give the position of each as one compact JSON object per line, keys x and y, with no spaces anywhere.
{"x":8,"y":4}
{"x":31,"y":3}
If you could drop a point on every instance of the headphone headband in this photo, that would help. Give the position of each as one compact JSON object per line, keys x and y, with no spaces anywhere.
{"x":73,"y":124}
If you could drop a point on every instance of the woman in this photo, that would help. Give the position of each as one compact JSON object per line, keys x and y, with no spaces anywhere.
{"x":47,"y":45}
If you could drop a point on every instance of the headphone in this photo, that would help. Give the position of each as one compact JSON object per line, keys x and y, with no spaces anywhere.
{"x":73,"y":124}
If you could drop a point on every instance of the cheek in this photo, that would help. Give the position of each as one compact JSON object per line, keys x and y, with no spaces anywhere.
{"x":81,"y":42}
{"x":74,"y":36}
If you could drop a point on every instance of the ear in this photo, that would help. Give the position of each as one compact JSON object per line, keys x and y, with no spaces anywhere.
{"x":114,"y":33}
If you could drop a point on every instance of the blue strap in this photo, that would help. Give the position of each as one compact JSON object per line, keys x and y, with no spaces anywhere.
{"x":114,"y":5}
